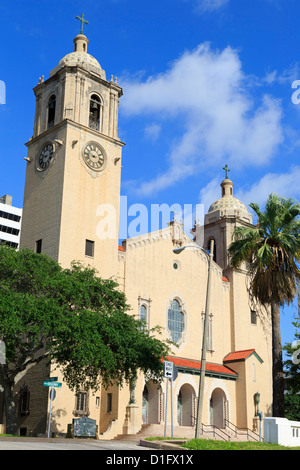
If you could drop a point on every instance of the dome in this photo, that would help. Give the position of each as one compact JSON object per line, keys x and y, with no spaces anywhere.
{"x":83,"y":57}
{"x":228,"y":202}
{"x":227,"y":206}
{"x":80,"y":57}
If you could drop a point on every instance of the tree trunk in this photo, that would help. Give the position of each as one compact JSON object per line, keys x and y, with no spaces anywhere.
{"x":10,"y":410}
{"x":278,"y":378}
{"x":7,"y":388}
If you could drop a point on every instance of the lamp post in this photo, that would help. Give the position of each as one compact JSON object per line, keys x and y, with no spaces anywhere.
{"x":257,"y":401}
{"x":198,"y":431}
{"x":258,"y":412}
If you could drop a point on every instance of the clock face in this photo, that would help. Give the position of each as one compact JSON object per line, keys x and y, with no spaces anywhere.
{"x":93,"y":156}
{"x":45,"y":157}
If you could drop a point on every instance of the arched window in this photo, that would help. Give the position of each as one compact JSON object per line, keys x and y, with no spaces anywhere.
{"x":94,"y":116}
{"x":143,"y":313}
{"x":51,"y":110}
{"x":253,"y":372}
{"x":175,"y":321}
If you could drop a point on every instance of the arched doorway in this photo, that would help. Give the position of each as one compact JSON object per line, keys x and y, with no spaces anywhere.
{"x":185,"y":406}
{"x":145,"y":405}
{"x":218,"y":404}
{"x":151,"y":403}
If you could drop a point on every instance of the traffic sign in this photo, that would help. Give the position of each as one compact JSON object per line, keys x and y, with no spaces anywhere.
{"x":47,"y":383}
{"x":171,"y":374}
{"x":175,"y":372}
{"x":170,"y":370}
{"x":52,"y":397}
{"x":53,"y":379}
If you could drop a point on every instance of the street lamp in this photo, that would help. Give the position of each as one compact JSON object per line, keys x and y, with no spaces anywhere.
{"x":177,"y":251}
{"x":258,"y":412}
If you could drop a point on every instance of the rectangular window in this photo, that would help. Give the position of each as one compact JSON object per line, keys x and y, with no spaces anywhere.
{"x":38,"y":246}
{"x":5,"y":229}
{"x":89,"y":248}
{"x":253,"y":317}
{"x":109,"y":403}
{"x":81,"y":401}
{"x":24,"y":400}
{"x":12,"y":244}
{"x":8,"y":215}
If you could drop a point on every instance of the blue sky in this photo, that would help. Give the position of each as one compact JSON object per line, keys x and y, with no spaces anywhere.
{"x":206,"y":83}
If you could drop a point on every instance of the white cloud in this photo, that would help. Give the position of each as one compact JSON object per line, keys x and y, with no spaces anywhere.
{"x":209,"y":194}
{"x":204,"y":90}
{"x":204,"y":6}
{"x":210,"y":5}
{"x":285,"y":77}
{"x":283,"y":184}
{"x":152,"y":131}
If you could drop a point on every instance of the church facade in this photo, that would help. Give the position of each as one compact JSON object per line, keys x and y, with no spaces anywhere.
{"x":73,"y":168}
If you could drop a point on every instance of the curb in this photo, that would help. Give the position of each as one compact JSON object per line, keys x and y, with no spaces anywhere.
{"x":164,"y":445}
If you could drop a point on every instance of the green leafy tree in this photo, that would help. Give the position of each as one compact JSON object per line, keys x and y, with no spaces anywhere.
{"x":75,"y":319}
{"x":272,"y":250}
{"x":292,"y":406}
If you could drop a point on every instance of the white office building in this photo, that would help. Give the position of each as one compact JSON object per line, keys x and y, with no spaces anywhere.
{"x":10,"y":222}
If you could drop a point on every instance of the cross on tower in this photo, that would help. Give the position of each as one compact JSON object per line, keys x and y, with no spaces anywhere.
{"x":227,"y":170}
{"x":175,"y":213}
{"x":81,"y":18}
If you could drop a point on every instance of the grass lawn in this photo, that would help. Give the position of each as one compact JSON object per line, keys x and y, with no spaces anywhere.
{"x":207,"y":444}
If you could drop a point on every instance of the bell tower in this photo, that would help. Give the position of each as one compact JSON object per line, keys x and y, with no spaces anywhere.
{"x":74,"y":164}
{"x":222,"y":218}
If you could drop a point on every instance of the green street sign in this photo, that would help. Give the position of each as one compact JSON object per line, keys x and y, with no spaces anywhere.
{"x":48,"y":383}
{"x":53,"y":379}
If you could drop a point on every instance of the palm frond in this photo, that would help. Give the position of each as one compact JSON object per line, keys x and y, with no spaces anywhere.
{"x":272,"y":249}
{"x":244,"y":245}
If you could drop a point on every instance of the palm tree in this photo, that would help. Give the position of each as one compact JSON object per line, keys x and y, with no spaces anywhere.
{"x":271,"y":250}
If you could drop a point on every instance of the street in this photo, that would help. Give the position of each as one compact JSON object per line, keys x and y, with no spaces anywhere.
{"x":20,"y":443}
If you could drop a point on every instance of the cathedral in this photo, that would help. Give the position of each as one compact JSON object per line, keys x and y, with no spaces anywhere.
{"x":74,"y":166}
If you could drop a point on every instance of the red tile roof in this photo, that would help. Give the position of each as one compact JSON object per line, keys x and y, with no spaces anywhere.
{"x":120,"y":248}
{"x":191,"y":364}
{"x":224,"y":278}
{"x":241,"y":355}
